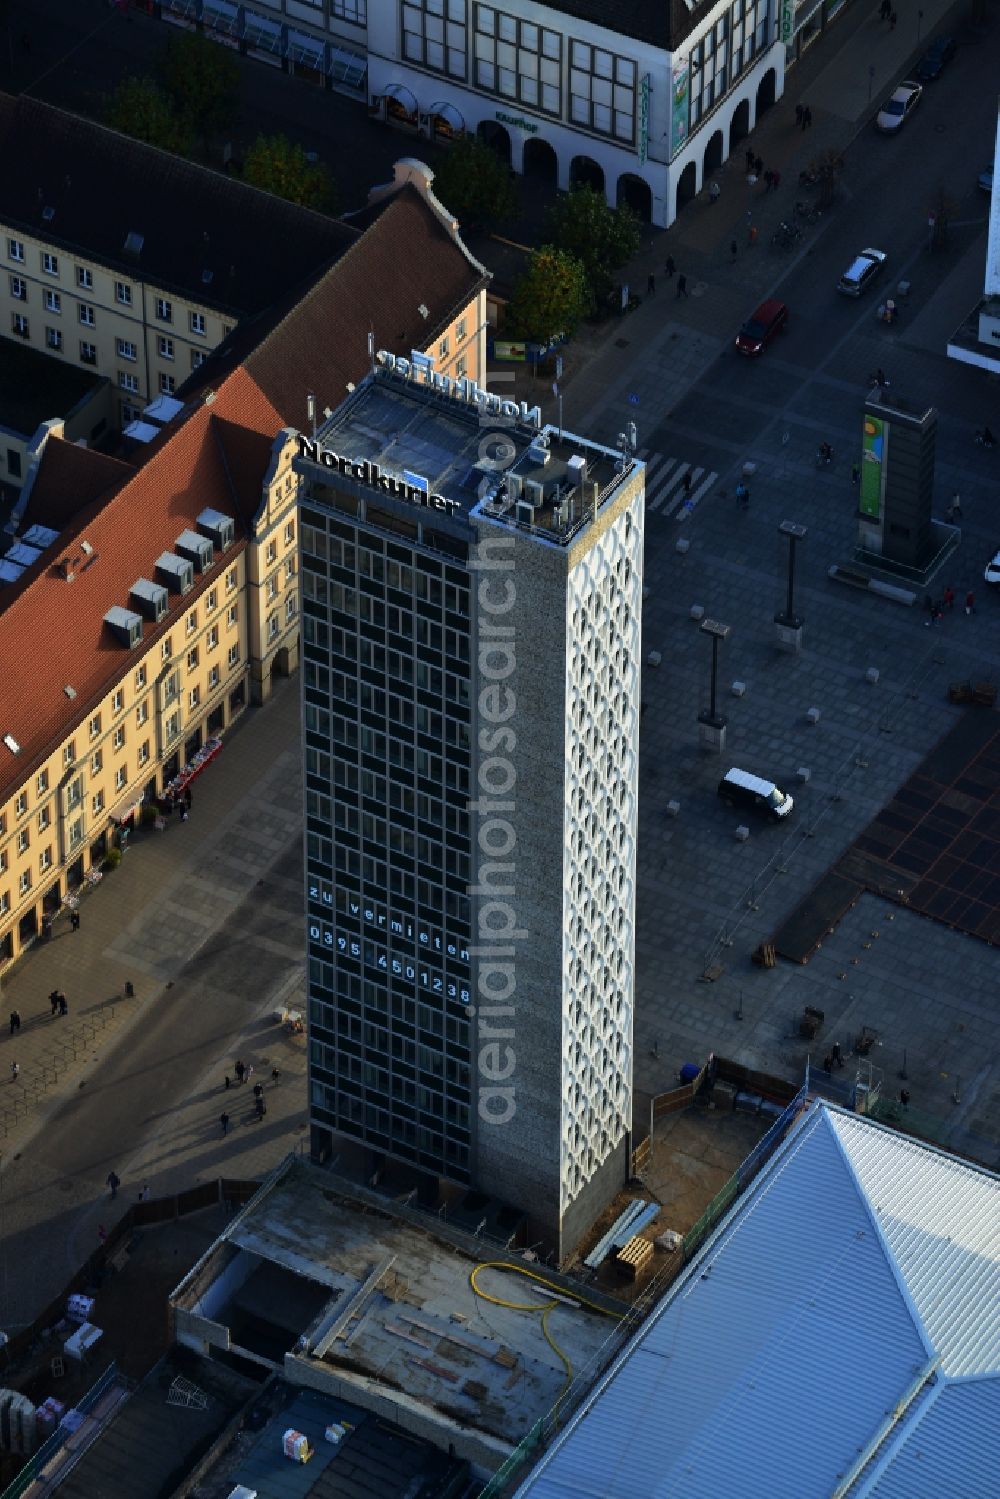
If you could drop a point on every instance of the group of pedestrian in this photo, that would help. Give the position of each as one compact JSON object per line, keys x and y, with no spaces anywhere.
{"x":833,"y":1059}
{"x":176,"y":801}
{"x":670,"y":270}
{"x":243,"y":1072}
{"x":886,"y":13}
{"x":755,"y":164}
{"x":936,"y":609}
{"x":803,"y":116}
{"x":772,"y":181}
{"x":57,"y":1000}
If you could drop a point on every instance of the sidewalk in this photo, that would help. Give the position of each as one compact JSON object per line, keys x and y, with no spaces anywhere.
{"x":145,"y":920}
{"x":656,"y":352}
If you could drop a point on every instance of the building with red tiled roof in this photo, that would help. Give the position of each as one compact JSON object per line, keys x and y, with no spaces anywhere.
{"x":154,"y":598}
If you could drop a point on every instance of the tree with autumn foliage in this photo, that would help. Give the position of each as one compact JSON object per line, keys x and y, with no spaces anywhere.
{"x":203,"y":81}
{"x":279,"y":166}
{"x":550,"y":298}
{"x":140,"y":108}
{"x":474,"y":184}
{"x":601,"y":238}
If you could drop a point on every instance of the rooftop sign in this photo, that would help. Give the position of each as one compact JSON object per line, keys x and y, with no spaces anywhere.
{"x":412,"y":488}
{"x":420,"y":369}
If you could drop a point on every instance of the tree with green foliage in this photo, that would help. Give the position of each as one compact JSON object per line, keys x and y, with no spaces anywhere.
{"x":550,"y":297}
{"x":474,"y":184}
{"x":202,"y":80}
{"x":140,"y":108}
{"x":280,"y":166}
{"x":581,"y":223}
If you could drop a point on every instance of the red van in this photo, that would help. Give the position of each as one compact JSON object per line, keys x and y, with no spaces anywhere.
{"x":757,"y":331}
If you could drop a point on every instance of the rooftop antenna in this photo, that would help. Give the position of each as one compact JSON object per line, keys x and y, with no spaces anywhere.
{"x":311,"y":413}
{"x":371,"y":349}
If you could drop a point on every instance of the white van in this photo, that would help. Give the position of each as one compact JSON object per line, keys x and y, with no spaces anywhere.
{"x":738,"y":788}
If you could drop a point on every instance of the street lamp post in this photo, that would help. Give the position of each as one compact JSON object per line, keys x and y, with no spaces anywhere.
{"x":787,"y":622}
{"x":712,"y":725}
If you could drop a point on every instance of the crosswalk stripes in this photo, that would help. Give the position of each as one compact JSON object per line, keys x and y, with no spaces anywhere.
{"x":665,"y":490}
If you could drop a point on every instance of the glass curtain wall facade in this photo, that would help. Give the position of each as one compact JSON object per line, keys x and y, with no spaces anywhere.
{"x":386,"y":681}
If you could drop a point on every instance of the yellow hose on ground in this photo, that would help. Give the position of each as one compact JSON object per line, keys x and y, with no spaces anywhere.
{"x":533,"y":1306}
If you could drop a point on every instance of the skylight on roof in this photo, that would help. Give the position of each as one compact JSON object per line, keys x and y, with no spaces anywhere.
{"x":134,"y":242}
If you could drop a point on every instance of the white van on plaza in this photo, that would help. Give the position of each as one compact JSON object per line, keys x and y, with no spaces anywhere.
{"x":738,"y":788}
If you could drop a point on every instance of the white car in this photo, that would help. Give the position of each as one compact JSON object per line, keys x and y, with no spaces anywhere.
{"x":897,"y":109}
{"x":992,"y":573}
{"x":861,"y":272}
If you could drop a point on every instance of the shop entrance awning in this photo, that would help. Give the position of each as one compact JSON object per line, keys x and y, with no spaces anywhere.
{"x":449,"y":115}
{"x":126,"y":809}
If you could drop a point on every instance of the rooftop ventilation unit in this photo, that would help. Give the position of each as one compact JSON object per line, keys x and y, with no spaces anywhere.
{"x":124,"y":625}
{"x":150,"y":599}
{"x":86,"y":548}
{"x":576,"y":469}
{"x":514,"y":486}
{"x":525,"y":514}
{"x":198,"y":550}
{"x":177,"y":572}
{"x":219,"y":527}
{"x":533,"y":492}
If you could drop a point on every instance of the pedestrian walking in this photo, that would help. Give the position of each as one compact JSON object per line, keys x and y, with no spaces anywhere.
{"x":54,"y":1001}
{"x":714,"y":192}
{"x":114,"y":1182}
{"x":949,"y":597}
{"x":682,"y":286}
{"x":732,"y":252}
{"x":798,"y":107}
{"x":670,"y":267}
{"x":258,"y":1090}
{"x":742,"y":496}
{"x":751,"y":157}
{"x":144,"y":1192}
{"x":904,"y":1096}
{"x":954,"y":510}
{"x":46,"y":927}
{"x":835,"y":1057}
{"x":248,"y":1074}
{"x":970,"y":602}
{"x":224,"y":1121}
{"x":807,"y":118}
{"x":651,"y":284}
{"x":686,"y":482}
{"x":74,"y":921}
{"x":63,"y":1006}
{"x":855,"y":474}
{"x":15,"y":1022}
{"x":15,"y":1068}
{"x":228,"y":1082}
{"x":240,"y":1071}
{"x":827,"y":1060}
{"x":275,"y":1074}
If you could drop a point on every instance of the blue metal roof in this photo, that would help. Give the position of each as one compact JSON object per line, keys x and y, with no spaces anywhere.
{"x":796,"y":1336}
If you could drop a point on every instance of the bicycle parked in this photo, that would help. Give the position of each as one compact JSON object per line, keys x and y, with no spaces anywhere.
{"x":785,"y":236}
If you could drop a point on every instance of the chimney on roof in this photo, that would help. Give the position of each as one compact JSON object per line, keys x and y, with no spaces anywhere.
{"x":68,"y":568}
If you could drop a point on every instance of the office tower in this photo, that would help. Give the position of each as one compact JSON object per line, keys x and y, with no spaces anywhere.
{"x":471,"y":596}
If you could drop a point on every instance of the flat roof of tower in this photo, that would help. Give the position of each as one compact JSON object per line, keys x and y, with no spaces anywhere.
{"x":453,"y":449}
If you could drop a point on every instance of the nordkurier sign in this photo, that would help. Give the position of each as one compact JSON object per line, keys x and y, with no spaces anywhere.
{"x":420,"y":368}
{"x":371,"y":475}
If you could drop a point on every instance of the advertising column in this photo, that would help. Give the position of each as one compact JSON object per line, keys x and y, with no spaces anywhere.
{"x":872,"y":482}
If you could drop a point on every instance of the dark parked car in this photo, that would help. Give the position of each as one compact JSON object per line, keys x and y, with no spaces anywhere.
{"x":937,"y":57}
{"x":771,"y":316}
